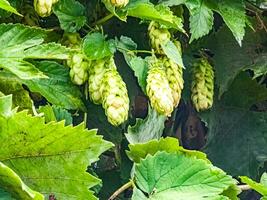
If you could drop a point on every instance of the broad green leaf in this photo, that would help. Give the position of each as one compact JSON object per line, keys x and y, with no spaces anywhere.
{"x":139,"y":65}
{"x":96,"y":47}
{"x":172,"y":176}
{"x":51,"y":158}
{"x":4,"y":4}
{"x":173,"y":53}
{"x":48,"y":51}
{"x":170,"y":145}
{"x":15,"y":41}
{"x":159,"y":13}
{"x":11,"y":182}
{"x":229,"y":58}
{"x":260,"y":188}
{"x":55,"y":113}
{"x":58,"y":88}
{"x":21,"y":98}
{"x":6,"y":106}
{"x":201,"y":18}
{"x":232,"y":125}
{"x":146,"y":129}
{"x":172,"y":2}
{"x":259,"y":66}
{"x":234,"y":14}
{"x":71,"y":15}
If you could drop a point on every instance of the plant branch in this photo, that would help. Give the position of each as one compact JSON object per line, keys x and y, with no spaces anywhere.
{"x":86,"y":97}
{"x":244,"y":187}
{"x":121,"y":189}
{"x":103,"y":20}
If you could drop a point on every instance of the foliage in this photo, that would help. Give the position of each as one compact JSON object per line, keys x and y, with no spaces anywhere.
{"x":180,"y":128}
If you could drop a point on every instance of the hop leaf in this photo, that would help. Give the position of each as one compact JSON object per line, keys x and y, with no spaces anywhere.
{"x":175,"y":77}
{"x":202,"y":88}
{"x":114,"y":95}
{"x":158,"y":36}
{"x":158,"y":88}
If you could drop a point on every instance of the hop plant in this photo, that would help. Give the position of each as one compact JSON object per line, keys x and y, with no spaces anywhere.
{"x":30,"y":17}
{"x":96,"y":73}
{"x":119,"y":3}
{"x":158,"y":36}
{"x":175,"y":78}
{"x":115,"y":98}
{"x":44,"y":7}
{"x":158,"y":88}
{"x":202,"y":88}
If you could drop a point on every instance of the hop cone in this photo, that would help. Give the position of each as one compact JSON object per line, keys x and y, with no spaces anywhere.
{"x":114,"y":96}
{"x":96,"y":73}
{"x":175,"y":77}
{"x":119,"y":3}
{"x":202,"y":88}
{"x":79,"y":69}
{"x":158,"y":36}
{"x":43,"y":7}
{"x":158,"y":89}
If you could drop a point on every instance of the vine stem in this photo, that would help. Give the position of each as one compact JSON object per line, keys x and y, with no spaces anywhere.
{"x":86,"y":97}
{"x":135,"y":51}
{"x":244,"y":187}
{"x":103,"y":20}
{"x":121,"y":189}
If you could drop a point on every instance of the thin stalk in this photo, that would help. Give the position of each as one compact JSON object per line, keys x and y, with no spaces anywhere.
{"x":103,"y":20}
{"x":121,"y":190}
{"x":86,"y":97}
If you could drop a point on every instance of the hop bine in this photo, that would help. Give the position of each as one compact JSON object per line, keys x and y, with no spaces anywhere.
{"x":158,"y":88}
{"x":114,"y":94}
{"x":44,"y":7}
{"x":119,"y":3}
{"x":202,"y":88}
{"x":175,"y":78}
{"x":158,"y":36}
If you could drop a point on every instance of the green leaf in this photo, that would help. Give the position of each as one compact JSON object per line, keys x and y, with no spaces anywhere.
{"x":234,"y":14}
{"x":55,"y":113}
{"x":264,"y":179}
{"x":172,"y":2}
{"x":139,"y":65}
{"x":58,"y":88}
{"x":96,"y":47}
{"x":259,"y":66}
{"x":21,"y":98}
{"x":16,"y":42}
{"x":11,"y":182}
{"x":146,"y":129}
{"x":168,"y":176}
{"x":4,"y":4}
{"x":260,"y":188}
{"x":71,"y":15}
{"x":173,"y":53}
{"x":170,"y":145}
{"x":6,"y":106}
{"x":51,"y":158}
{"x":159,"y":13}
{"x":201,"y":19}
{"x":232,"y":125}
{"x":229,"y":58}
{"x":48,"y":51}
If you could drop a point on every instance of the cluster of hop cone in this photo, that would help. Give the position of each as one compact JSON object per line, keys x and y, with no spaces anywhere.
{"x":164,"y":81}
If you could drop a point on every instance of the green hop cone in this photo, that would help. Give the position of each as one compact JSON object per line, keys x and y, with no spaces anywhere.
{"x":158,"y":88}
{"x":43,"y":7}
{"x":72,"y":40}
{"x":114,"y":96}
{"x":175,"y":77}
{"x":158,"y":36}
{"x":119,"y":3}
{"x":79,"y":69}
{"x":96,"y":73}
{"x":202,"y":88}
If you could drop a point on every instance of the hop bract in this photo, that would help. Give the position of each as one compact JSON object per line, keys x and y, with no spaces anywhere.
{"x":202,"y":88}
{"x":114,"y":95}
{"x":119,"y":3}
{"x":175,"y":78}
{"x":158,"y":88}
{"x":158,"y":36}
